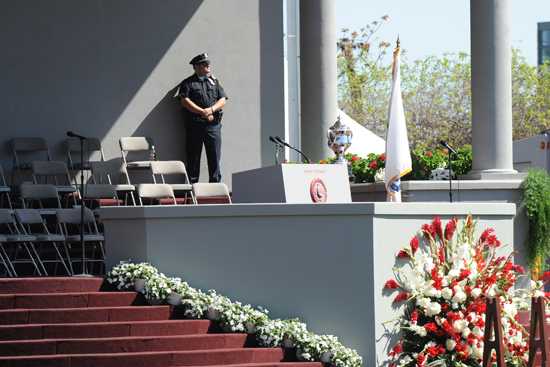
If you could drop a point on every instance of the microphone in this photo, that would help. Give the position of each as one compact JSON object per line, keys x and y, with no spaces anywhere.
{"x":291,"y":147}
{"x":275,"y":141}
{"x":442,"y":142}
{"x":73,"y":135}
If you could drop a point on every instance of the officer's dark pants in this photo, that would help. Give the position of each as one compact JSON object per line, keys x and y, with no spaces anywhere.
{"x":209,"y":134}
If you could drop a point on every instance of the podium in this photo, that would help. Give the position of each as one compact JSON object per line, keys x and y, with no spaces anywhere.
{"x":293,"y":183}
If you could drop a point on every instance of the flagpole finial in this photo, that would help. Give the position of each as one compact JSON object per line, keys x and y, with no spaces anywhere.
{"x":398,"y":42}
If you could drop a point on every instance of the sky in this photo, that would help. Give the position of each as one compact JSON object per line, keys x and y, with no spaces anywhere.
{"x":433,"y":27}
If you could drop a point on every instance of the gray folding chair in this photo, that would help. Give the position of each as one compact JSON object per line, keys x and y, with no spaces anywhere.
{"x":4,"y":190}
{"x":18,"y":242}
{"x":69,"y":221}
{"x":209,"y":190}
{"x":46,"y":196}
{"x":156,"y":192}
{"x":103,"y":195}
{"x":33,"y":224}
{"x":42,"y":171}
{"x":4,"y":259}
{"x":92,"y":152}
{"x":103,"y":172}
{"x":31,"y":148}
{"x":177,"y":170}
{"x":137,"y":152}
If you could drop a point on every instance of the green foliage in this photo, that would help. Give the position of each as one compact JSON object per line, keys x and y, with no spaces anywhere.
{"x":436,"y":91}
{"x":536,"y":199}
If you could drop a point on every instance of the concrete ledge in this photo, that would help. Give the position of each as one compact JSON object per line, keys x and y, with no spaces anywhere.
{"x":323,"y":263}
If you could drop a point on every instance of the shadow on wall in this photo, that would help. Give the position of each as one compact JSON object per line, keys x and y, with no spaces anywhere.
{"x":77,"y":65}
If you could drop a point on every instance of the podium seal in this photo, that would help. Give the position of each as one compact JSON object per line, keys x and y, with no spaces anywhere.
{"x":318,"y":191}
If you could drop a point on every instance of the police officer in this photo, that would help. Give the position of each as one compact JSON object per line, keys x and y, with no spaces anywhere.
{"x":203,"y":98}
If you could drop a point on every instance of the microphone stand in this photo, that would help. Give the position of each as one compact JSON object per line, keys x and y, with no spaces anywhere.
{"x":83,"y":274}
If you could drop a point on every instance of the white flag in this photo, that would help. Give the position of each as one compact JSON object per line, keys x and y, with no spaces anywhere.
{"x":398,"y":155}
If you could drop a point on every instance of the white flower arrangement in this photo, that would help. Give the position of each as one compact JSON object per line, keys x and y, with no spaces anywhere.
{"x":157,"y":287}
{"x":234,"y":317}
{"x":439,"y":174}
{"x":380,"y":175}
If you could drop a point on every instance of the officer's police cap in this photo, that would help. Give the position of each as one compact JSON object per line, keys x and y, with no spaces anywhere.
{"x":200,"y":59}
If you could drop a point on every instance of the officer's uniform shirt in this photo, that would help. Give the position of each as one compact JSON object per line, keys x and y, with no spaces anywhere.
{"x":204,"y":93}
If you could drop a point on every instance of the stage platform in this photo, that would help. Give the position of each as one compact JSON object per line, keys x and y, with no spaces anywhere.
{"x":323,"y":263}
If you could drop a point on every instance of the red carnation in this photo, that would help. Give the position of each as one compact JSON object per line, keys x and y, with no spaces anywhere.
{"x":401,"y":297}
{"x":420,"y":360}
{"x":431,"y":326}
{"x":396,"y":350}
{"x":414,"y":245}
{"x":392,"y":284}
{"x":403,"y":254}
{"x":414,"y":317}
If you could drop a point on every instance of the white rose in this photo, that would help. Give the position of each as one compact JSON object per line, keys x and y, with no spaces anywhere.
{"x":476,"y":293}
{"x":459,"y":297}
{"x":423,"y":302}
{"x":447,"y":293}
{"x":433,"y":309}
{"x":478,"y":332}
{"x":450,"y":344}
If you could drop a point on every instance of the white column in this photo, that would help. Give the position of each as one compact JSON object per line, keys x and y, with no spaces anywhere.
{"x":491,"y":89}
{"x":319,"y":103}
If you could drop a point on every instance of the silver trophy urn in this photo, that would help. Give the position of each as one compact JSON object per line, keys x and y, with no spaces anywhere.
{"x":339,"y":138}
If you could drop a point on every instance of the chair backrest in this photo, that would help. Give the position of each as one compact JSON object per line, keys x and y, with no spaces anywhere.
{"x":90,"y":145}
{"x":155,"y":191}
{"x":55,"y":169}
{"x":31,"y":222}
{"x":38,"y":192}
{"x":33,"y":148}
{"x":73,"y":216}
{"x":7,"y":220}
{"x":112,"y":167}
{"x":99,"y":192}
{"x":2,"y":177}
{"x":6,"y":217}
{"x":213,"y":189}
{"x":137,"y":148}
{"x":163,"y":168}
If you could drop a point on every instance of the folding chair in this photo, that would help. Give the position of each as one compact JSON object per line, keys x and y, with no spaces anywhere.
{"x":69,"y":221}
{"x":156,"y":191}
{"x":211,"y":190}
{"x":4,"y":190}
{"x":33,"y":224}
{"x":28,"y":147}
{"x":137,"y":152}
{"x":100,"y":195}
{"x":17,"y":242}
{"x":92,"y":150}
{"x":4,"y":259}
{"x":58,"y":171}
{"x":46,"y":196}
{"x":173,"y":168}
{"x":102,"y":172}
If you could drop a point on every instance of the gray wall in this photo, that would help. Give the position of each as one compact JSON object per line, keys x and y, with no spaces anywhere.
{"x":109,"y":69}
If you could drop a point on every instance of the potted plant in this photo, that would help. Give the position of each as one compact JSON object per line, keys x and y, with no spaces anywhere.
{"x":194,"y":301}
{"x":346,"y":357}
{"x":215,"y":303}
{"x":254,"y":316}
{"x":178,"y":290}
{"x":157,"y":289}
{"x":270,"y":333}
{"x":121,"y":275}
{"x":294,"y":330}
{"x":233,"y":317}
{"x":319,"y":348}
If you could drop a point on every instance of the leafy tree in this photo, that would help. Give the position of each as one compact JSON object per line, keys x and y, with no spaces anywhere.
{"x":436,"y":91}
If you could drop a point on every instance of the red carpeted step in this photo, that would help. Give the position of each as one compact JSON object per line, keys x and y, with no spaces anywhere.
{"x":274,"y":364}
{"x":84,"y":315}
{"x":50,"y":285}
{"x":104,"y":329}
{"x":122,"y":345}
{"x":70,"y":300}
{"x":148,"y":359}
